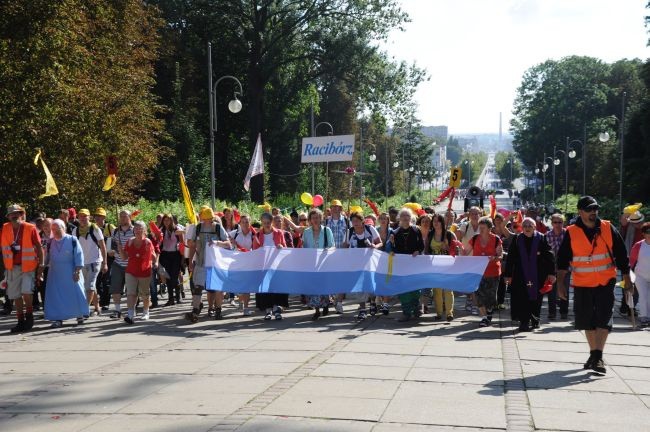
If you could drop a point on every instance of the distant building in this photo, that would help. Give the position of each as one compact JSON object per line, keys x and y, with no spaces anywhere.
{"x":436,"y":132}
{"x":439,"y":158}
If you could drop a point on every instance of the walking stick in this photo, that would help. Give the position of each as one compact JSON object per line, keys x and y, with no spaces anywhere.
{"x":629,"y":299}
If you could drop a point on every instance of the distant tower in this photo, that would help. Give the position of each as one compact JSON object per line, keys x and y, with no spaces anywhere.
{"x":500,"y":132}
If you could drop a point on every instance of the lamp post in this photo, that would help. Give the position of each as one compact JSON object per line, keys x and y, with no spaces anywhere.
{"x":510,"y":161}
{"x":234,"y":106}
{"x":556,"y":162}
{"x":572,"y":154}
{"x":469,"y":172}
{"x":327,"y":164}
{"x":604,"y":137}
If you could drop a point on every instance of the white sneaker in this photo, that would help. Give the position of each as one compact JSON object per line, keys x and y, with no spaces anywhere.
{"x":145,"y":316}
{"x":248,"y":312}
{"x":339,"y":307}
{"x":475,"y":310}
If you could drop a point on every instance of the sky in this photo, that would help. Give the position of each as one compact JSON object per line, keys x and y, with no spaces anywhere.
{"x":476,"y":51}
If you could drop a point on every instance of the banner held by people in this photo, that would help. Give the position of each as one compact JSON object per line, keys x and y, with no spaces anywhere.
{"x":318,"y":271}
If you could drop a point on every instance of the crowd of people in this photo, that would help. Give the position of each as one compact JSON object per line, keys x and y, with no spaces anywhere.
{"x":74,"y":266}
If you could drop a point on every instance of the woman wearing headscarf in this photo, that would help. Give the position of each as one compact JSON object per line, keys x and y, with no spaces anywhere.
{"x":65,"y":297}
{"x":529,"y":266}
{"x":271,"y":303}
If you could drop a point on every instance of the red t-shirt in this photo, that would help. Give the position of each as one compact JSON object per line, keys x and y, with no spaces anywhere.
{"x":493,"y":268}
{"x":18,"y":258}
{"x":139,"y":264}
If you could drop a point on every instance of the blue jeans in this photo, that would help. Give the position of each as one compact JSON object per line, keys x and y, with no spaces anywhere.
{"x":153,"y":287}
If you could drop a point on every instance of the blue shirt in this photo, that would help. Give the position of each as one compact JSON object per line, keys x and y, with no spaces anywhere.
{"x":308,"y":238}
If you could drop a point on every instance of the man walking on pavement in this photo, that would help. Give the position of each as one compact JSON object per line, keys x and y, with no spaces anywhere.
{"x":340,"y":226}
{"x":22,"y":256}
{"x":91,"y":240}
{"x":103,"y":283}
{"x":118,"y":270}
{"x":594,"y":249}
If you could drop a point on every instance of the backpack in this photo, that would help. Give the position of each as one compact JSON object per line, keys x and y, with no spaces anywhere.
{"x":91,"y":229}
{"x":214,"y":227}
{"x":352,"y":233}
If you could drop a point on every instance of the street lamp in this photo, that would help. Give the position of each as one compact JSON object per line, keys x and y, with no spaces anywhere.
{"x":469,"y":172}
{"x":604,"y":137}
{"x":327,"y":164}
{"x":234,"y":106}
{"x":565,"y":154}
{"x":510,"y":161}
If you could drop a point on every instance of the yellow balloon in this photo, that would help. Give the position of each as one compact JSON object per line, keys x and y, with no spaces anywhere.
{"x":266,"y":207}
{"x":413,"y":206}
{"x":356,"y":209}
{"x":632,"y":208}
{"x":306,"y":198}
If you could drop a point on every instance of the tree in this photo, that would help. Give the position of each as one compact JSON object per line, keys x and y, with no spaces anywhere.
{"x":286,"y":52}
{"x":75,"y":81}
{"x":502,"y":165}
{"x":575,"y":97}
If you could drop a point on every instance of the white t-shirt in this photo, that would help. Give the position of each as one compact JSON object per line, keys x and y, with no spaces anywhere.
{"x":91,"y":251}
{"x":243,"y":241}
{"x":359,"y":240}
{"x":643,"y":263}
{"x":468,"y":232}
{"x":268,"y":240}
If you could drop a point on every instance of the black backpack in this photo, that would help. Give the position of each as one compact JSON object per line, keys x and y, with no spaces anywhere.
{"x":91,"y":230}
{"x":352,"y":233}
{"x":214,"y":227}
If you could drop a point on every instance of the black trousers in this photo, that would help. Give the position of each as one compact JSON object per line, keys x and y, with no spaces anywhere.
{"x":104,"y":285}
{"x":172,"y":263}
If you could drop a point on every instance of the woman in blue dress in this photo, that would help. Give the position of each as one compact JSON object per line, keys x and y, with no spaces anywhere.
{"x":317,"y":236}
{"x":65,"y":297}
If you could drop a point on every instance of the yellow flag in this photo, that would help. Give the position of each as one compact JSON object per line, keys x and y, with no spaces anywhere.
{"x":187,"y":200}
{"x":50,"y":186}
{"x":109,"y":182}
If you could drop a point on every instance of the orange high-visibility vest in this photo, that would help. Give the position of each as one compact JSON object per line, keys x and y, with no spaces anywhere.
{"x":29,"y":258}
{"x":593,"y":264}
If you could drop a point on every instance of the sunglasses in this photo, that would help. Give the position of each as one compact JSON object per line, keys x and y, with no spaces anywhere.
{"x":303,"y":220}
{"x":590,"y":210}
{"x":557,"y":222}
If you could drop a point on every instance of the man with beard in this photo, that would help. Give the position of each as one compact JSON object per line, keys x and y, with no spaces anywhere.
{"x":594,"y":249}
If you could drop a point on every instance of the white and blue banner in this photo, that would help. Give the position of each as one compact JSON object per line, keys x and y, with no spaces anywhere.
{"x":334,"y":271}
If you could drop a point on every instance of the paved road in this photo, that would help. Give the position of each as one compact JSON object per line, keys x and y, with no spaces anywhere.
{"x":335,"y":374}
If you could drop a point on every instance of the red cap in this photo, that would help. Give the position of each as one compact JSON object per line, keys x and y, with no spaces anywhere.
{"x":369,"y":221}
{"x":72,"y":213}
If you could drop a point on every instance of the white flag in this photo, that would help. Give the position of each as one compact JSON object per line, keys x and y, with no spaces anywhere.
{"x":257,"y":163}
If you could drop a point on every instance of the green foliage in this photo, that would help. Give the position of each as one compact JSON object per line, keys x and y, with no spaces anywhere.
{"x":576,"y":97}
{"x":286,"y":54}
{"x":503,"y":169}
{"x":75,"y":81}
{"x":477,"y":162}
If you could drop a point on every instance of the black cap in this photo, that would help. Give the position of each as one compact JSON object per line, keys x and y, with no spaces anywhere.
{"x":587,"y":202}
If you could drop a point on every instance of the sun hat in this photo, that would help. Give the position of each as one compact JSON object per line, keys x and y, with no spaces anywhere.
{"x":15,"y":208}
{"x":637,"y":217}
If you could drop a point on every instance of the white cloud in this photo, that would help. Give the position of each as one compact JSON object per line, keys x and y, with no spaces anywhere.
{"x":476,"y":51}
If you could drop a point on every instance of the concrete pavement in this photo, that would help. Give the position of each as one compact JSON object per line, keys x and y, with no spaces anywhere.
{"x":335,"y":374}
